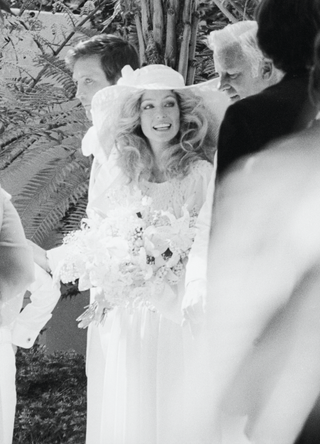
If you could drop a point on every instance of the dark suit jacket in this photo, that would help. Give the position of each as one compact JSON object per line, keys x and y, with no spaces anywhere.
{"x":251,"y":123}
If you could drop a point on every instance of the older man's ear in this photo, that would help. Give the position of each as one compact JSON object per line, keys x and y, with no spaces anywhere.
{"x":270,"y":73}
{"x":267,"y":69}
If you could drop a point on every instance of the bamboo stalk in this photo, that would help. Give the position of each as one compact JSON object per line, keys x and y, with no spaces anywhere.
{"x":142,"y":47}
{"x":157,"y":22}
{"x":225,"y":11}
{"x":186,"y":16}
{"x":184,"y":51}
{"x":171,"y":33}
{"x":170,"y":55}
{"x":145,"y":19}
{"x":174,"y":4}
{"x":150,"y":9}
{"x":192,"y":49}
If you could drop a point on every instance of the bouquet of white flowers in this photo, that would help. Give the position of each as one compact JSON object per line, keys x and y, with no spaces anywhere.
{"x":126,"y":254}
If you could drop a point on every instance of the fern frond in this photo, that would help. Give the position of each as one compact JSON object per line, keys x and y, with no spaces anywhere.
{"x":49,"y":216}
{"x":16,"y":149}
{"x":66,"y":177}
{"x":53,"y":176}
{"x":16,"y":67}
{"x":42,"y":43}
{"x":56,"y":69}
{"x":70,"y":222}
{"x":71,"y":18}
{"x":43,"y":200}
{"x":23,"y":169}
{"x":74,"y":215}
{"x":10,"y":135}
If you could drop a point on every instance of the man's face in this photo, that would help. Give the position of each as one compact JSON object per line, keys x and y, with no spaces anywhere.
{"x":90,"y":78}
{"x":236,"y":78}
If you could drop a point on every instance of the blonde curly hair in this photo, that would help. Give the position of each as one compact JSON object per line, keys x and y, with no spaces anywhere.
{"x":194,"y":141}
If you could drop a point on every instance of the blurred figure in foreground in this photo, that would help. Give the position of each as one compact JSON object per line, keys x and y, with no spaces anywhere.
{"x":18,"y":328}
{"x":16,"y":273}
{"x":260,"y":363}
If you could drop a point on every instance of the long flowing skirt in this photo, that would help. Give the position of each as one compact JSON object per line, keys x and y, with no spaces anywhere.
{"x":143,"y":380}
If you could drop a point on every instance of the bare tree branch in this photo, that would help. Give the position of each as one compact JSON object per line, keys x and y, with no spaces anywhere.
{"x":225,"y":11}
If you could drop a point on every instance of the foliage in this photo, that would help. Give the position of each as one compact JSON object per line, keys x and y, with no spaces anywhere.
{"x":211,"y":19}
{"x":129,"y":15}
{"x":41,"y":128}
{"x":235,"y":10}
{"x":51,"y":397}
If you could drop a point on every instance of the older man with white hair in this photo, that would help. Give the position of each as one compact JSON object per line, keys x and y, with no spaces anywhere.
{"x":270,"y":108}
{"x":240,"y":63}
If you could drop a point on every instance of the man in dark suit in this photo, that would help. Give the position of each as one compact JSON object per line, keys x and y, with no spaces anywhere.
{"x":285,"y":107}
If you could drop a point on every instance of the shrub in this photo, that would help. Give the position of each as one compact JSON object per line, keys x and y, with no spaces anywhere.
{"x":51,"y":397}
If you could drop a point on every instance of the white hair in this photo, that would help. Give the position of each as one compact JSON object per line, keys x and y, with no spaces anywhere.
{"x":243,"y":37}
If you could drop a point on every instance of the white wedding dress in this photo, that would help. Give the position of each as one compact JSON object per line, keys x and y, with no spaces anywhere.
{"x":145,"y":350}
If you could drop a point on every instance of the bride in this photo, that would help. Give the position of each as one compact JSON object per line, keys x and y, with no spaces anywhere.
{"x":165,"y":139}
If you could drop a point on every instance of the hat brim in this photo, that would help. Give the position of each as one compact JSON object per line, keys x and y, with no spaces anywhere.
{"x":107,"y":103}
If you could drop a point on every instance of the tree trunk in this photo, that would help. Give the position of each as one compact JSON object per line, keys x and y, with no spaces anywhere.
{"x":192,"y":50}
{"x":167,"y":30}
{"x":157,"y":22}
{"x":170,"y":56}
{"x":162,"y":36}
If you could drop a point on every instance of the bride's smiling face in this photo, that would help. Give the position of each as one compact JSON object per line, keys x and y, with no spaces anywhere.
{"x":159,"y":116}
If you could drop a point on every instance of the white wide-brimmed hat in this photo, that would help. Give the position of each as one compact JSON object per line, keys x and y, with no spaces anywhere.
{"x":107,"y":103}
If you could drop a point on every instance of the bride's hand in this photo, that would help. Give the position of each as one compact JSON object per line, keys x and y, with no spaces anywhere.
{"x":193,"y":304}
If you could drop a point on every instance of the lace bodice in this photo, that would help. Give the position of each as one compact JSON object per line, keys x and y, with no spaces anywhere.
{"x":175,"y":193}
{"x":171,"y":195}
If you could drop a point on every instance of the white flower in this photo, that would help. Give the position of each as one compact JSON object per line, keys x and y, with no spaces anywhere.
{"x":126,"y":254}
{"x":156,"y":240}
